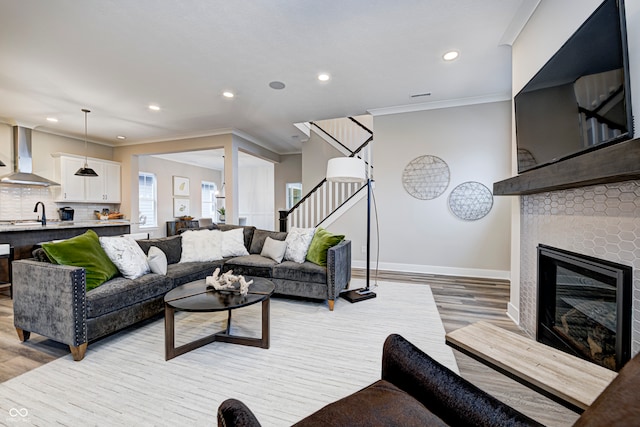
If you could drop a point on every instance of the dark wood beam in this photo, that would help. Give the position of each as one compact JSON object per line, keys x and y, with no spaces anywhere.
{"x":615,"y":163}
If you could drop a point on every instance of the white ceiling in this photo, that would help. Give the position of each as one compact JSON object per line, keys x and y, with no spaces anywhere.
{"x":116,"y":57}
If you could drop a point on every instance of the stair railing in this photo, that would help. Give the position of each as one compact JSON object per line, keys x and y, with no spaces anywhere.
{"x":326,"y":197}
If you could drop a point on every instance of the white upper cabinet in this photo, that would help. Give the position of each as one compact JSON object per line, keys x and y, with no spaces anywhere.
{"x":105,"y":188}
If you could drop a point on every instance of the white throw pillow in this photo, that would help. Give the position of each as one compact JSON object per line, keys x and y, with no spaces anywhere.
{"x":233,"y":243}
{"x":157,"y":260}
{"x":127,"y":255}
{"x":274,"y":249}
{"x":201,"y":245}
{"x":298,"y":241}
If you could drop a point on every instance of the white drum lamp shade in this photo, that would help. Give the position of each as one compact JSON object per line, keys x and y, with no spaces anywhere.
{"x":346,"y":169}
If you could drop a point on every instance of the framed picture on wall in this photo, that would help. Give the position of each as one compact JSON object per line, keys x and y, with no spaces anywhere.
{"x":180,"y":207}
{"x":180,"y":186}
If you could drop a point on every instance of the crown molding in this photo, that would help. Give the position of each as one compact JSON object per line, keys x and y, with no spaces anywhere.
{"x":436,"y":105}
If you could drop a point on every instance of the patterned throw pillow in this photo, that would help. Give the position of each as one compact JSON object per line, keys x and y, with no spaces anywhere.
{"x":125,"y":253}
{"x":298,"y":241}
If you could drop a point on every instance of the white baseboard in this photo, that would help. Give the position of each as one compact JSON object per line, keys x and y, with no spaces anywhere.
{"x":514,"y":313}
{"x":432,"y":269}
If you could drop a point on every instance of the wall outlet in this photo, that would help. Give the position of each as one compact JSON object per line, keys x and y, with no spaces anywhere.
{"x":363,"y":249}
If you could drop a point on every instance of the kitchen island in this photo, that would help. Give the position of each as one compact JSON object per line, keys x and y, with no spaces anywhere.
{"x":25,"y":236}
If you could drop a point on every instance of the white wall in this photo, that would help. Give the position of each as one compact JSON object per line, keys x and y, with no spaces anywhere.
{"x":165,"y":170}
{"x":256,"y":195}
{"x":288,"y":170}
{"x":315,"y":154}
{"x":423,"y":235}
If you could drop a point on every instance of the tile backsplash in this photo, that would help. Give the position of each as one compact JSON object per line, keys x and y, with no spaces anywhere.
{"x":602,"y":221}
{"x":18,"y":201}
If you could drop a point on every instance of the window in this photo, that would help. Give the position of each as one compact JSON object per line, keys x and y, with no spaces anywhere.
{"x":147,"y":200}
{"x":209,"y":190}
{"x":294,"y":194}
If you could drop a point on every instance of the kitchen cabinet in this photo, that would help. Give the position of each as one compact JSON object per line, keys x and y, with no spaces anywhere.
{"x":71,"y":186}
{"x":105,"y":188}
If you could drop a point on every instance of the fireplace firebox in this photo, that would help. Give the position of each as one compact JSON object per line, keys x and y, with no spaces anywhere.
{"x":584,"y":306}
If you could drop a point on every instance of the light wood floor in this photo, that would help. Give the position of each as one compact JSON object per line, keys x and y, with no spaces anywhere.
{"x":460,"y":301}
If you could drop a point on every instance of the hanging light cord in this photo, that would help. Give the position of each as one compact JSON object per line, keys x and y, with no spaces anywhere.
{"x":85,"y":111}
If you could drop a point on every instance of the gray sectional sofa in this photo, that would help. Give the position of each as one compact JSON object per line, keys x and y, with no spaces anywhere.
{"x":51,"y":299}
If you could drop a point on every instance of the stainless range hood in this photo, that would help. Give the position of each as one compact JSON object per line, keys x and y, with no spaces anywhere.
{"x":23,"y":162}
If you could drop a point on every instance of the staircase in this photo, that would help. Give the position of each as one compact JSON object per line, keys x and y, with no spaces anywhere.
{"x":321,"y":206}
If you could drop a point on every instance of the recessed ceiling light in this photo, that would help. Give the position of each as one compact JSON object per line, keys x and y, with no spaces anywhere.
{"x":276,"y":85}
{"x":228,"y":94}
{"x":121,"y":137}
{"x":52,"y":119}
{"x":451,"y":55}
{"x":153,"y":107}
{"x":324,"y":77}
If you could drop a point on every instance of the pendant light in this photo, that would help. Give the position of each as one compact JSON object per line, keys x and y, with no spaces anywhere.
{"x":85,"y":170}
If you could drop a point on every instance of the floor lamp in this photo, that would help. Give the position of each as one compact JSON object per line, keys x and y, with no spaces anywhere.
{"x":352,"y":169}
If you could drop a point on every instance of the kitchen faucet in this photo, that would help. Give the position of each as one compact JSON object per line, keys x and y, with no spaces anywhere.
{"x":44,"y":216}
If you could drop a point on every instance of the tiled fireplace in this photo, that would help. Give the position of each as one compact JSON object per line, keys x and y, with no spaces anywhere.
{"x":601,"y":221}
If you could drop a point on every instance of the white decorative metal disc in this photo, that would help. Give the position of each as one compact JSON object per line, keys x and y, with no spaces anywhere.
{"x":470,"y":201}
{"x":426,"y":177}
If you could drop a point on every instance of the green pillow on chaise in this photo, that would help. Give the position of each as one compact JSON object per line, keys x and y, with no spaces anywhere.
{"x":320,"y":244}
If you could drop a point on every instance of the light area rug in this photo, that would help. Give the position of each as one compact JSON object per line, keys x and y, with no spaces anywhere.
{"x":316,"y":357}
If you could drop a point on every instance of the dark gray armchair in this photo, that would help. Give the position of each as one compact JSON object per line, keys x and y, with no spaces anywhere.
{"x":415,"y":390}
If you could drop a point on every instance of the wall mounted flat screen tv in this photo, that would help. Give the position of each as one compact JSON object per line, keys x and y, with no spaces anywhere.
{"x":580,"y":100}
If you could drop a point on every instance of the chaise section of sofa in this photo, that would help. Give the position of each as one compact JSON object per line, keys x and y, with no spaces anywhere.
{"x":305,"y":280}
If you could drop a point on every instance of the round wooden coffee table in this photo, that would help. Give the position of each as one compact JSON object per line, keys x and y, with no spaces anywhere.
{"x":198,"y":297}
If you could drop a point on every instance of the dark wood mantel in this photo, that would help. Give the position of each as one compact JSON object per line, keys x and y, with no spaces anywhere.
{"x":616,"y":163}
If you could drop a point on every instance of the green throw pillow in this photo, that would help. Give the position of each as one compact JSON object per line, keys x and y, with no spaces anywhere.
{"x":83,"y":251}
{"x":320,"y":244}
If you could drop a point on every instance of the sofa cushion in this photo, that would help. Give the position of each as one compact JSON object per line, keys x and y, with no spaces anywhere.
{"x":125,"y":253}
{"x":381,"y":403}
{"x":157,"y":261}
{"x":322,"y":241}
{"x":298,"y":241}
{"x":83,"y":251}
{"x":250,"y":265}
{"x":274,"y":249}
{"x":171,"y":246}
{"x":247,"y":231}
{"x":305,"y":272}
{"x":259,"y":236}
{"x":233,"y":243}
{"x":120,"y":292}
{"x":201,"y":245}
{"x":186,"y":272}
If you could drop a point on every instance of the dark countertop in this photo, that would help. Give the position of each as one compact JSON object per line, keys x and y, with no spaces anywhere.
{"x":56,"y":225}
{"x":24,"y":237}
